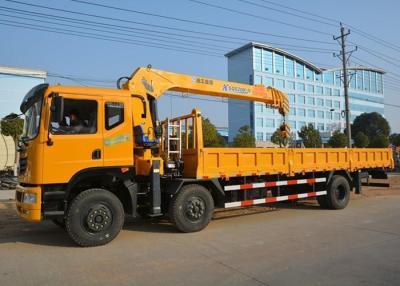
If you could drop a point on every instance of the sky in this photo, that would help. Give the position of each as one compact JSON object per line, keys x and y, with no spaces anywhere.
{"x":182,"y":39}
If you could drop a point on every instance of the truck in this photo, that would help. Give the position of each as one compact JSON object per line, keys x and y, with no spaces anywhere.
{"x":90,"y":156}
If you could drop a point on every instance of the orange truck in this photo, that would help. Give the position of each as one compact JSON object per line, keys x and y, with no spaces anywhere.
{"x":91,"y":156}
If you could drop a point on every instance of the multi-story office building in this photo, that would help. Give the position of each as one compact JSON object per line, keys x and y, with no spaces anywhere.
{"x":316,"y":95}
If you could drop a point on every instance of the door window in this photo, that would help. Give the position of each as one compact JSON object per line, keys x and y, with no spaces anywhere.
{"x":80,"y":117}
{"x":114,"y":114}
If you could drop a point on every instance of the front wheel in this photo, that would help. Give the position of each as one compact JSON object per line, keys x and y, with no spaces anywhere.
{"x":191,"y":208}
{"x":95,"y":217}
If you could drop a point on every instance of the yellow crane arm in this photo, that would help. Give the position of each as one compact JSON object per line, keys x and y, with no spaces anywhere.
{"x":153,"y":82}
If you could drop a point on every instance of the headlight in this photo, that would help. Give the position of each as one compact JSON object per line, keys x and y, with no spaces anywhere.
{"x":29,"y":198}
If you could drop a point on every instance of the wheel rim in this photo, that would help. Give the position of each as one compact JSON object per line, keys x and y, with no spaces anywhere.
{"x":195,"y":209}
{"x":340,"y":193}
{"x":99,"y":218}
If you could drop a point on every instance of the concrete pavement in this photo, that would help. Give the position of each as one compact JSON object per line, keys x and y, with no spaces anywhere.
{"x":301,"y":245}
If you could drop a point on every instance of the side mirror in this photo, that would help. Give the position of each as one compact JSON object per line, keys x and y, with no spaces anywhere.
{"x":57,"y":108}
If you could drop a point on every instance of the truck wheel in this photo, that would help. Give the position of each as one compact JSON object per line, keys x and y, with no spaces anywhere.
{"x":95,"y":217}
{"x":191,"y":208}
{"x":338,"y":195}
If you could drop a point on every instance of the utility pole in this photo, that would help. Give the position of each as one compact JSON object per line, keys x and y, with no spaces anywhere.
{"x":345,"y":56}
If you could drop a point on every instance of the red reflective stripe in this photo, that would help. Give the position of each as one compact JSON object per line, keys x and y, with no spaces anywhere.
{"x":270,"y":200}
{"x":270,"y":184}
{"x":246,"y":203}
{"x":246,"y":186}
{"x":312,"y":194}
{"x":311,"y":180}
{"x":292,"y":197}
{"x":292,"y":182}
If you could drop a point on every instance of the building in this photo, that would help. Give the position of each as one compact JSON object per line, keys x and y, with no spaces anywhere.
{"x":14,"y":84}
{"x":316,"y":95}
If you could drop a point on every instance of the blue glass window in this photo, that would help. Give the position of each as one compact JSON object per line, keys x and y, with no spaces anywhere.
{"x":337,"y":116}
{"x":311,"y":100}
{"x":320,"y":114}
{"x":290,"y":85}
{"x":320,"y":126}
{"x":328,"y":91}
{"x":328,"y":77}
{"x":311,"y":113}
{"x":289,"y":67}
{"x":279,"y":83}
{"x":310,"y":88}
{"x":373,"y":82}
{"x":301,"y":99}
{"x":328,"y":114}
{"x":268,"y":81}
{"x":301,"y":112}
{"x":259,"y":122}
{"x":379,"y":83}
{"x":301,"y":125}
{"x":270,"y":122}
{"x":301,"y":86}
{"x":299,"y":71}
{"x":338,"y":78}
{"x":257,"y":59}
{"x":292,"y":98}
{"x":366,"y":81}
{"x":259,"y":107}
{"x":353,"y":79}
{"x":292,"y":124}
{"x":309,"y":74}
{"x":320,"y":102}
{"x":318,"y":77}
{"x":258,"y":79}
{"x":359,"y":76}
{"x":328,"y":103}
{"x":267,"y":61}
{"x":336,"y":104}
{"x":319,"y":90}
{"x":260,"y":136}
{"x":278,"y":63}
{"x":336,"y":92}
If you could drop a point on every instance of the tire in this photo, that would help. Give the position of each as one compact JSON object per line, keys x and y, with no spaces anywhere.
{"x":338,"y":193}
{"x":191,"y":208}
{"x":95,"y":217}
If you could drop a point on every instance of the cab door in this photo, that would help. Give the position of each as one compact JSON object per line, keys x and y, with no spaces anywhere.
{"x":75,"y":143}
{"x":118,"y":139}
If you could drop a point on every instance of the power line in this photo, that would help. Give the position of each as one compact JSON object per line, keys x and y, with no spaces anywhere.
{"x":182,"y":20}
{"x":254,"y":16}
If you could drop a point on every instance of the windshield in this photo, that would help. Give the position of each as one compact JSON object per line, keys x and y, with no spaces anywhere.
{"x":32,"y":119}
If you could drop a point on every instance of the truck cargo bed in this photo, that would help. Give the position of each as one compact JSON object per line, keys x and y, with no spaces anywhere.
{"x":231,"y":162}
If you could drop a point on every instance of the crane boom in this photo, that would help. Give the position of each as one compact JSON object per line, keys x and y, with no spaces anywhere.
{"x":153,"y":82}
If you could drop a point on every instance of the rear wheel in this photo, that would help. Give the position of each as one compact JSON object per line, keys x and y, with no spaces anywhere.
{"x":95,"y":217}
{"x":191,"y":208}
{"x":338,"y":193}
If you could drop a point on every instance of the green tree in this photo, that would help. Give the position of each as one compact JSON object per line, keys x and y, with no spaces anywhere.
{"x":12,"y":125}
{"x":211,"y":136}
{"x":379,"y":141}
{"x":310,"y":136}
{"x":278,"y":139}
{"x":338,"y":140}
{"x":395,"y":139}
{"x":361,"y":140}
{"x":244,"y":138}
{"x":374,"y":126}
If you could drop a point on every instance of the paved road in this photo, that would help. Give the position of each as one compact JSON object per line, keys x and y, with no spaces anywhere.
{"x":300,"y":245}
